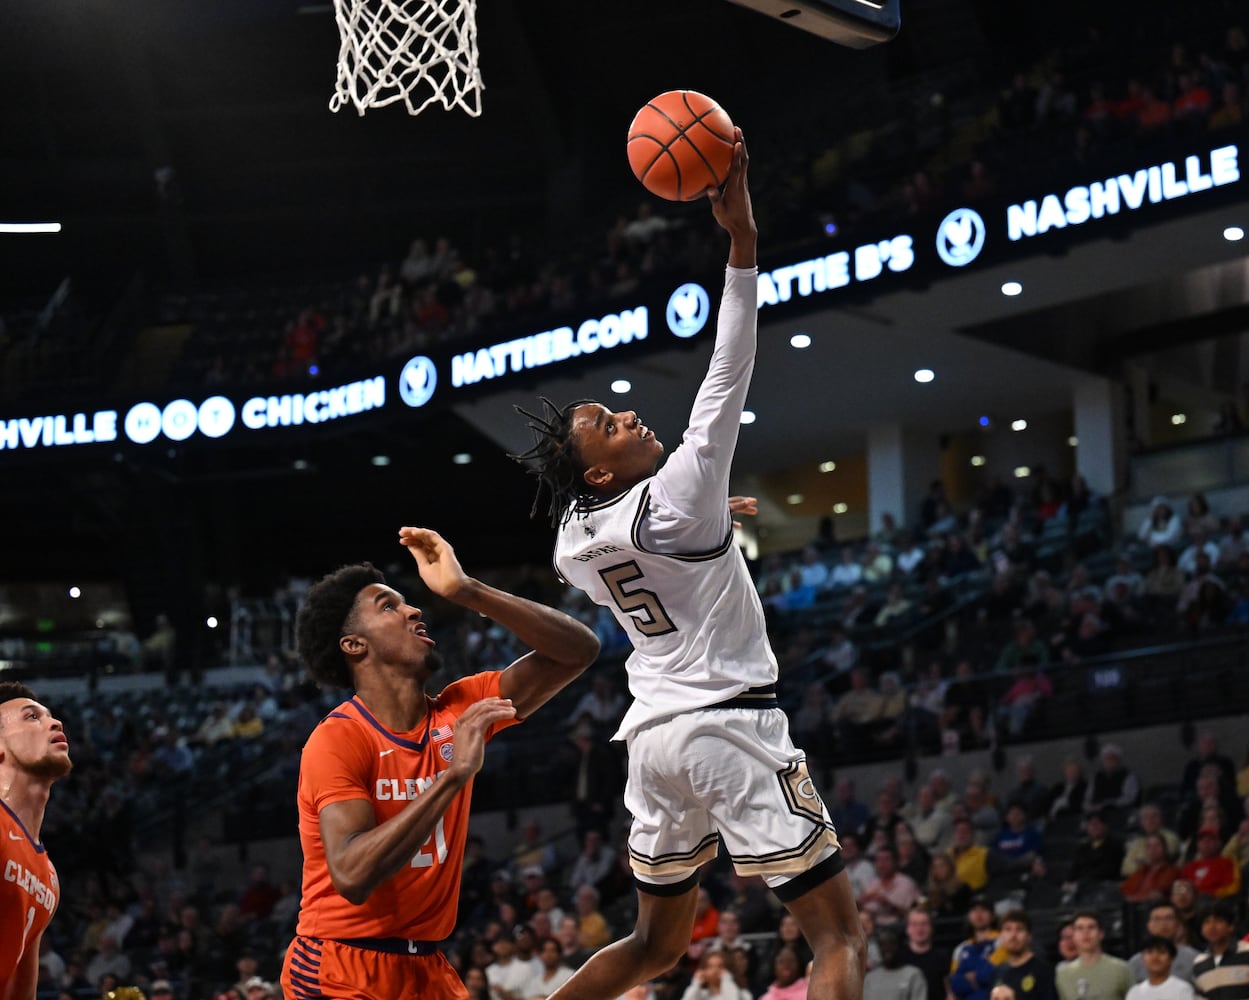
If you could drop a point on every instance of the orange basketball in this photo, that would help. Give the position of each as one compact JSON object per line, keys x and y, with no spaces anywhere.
{"x":681,"y":144}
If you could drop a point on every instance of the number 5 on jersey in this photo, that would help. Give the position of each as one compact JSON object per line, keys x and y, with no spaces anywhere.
{"x":656,"y":621}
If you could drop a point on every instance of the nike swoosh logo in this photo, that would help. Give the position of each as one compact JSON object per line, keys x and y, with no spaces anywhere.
{"x":14,"y":836}
{"x":385,"y":752}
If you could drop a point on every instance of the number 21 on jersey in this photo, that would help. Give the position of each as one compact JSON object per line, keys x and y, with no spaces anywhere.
{"x":433,"y":850}
{"x":653,"y":620}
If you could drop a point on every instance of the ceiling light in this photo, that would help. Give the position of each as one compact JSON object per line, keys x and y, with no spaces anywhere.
{"x":211,"y":621}
{"x":26,"y":228}
{"x":924,"y":375}
{"x":840,"y":508}
{"x":1011,"y":288}
{"x":984,"y":421}
{"x":621,"y":385}
{"x":461,"y":458}
{"x":380,"y":460}
{"x":75,"y":593}
{"x":977,"y":460}
{"x":1019,"y":425}
{"x":1073,"y":441}
{"x":794,"y":498}
{"x":748,"y":416}
{"x":1233,"y":234}
{"x":1179,"y":418}
{"x":828,"y":466}
{"x":300,"y":464}
{"x":1022,"y":472}
{"x":800,"y":340}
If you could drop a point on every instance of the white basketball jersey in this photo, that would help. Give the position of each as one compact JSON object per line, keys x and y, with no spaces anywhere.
{"x":662,"y":558}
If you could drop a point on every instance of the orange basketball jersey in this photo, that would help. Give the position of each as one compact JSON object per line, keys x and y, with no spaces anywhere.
{"x":351,"y":755}
{"x":28,"y":893}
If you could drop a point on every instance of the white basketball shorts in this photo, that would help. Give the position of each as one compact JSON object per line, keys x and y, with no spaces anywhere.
{"x":728,"y":771}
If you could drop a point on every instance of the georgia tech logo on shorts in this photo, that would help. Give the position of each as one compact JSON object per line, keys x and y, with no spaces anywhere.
{"x":960,"y":237}
{"x":417,"y":381}
{"x":688,"y":309}
{"x":800,"y":793}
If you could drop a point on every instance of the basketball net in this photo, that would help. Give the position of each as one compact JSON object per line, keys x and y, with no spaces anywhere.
{"x":415,"y":51}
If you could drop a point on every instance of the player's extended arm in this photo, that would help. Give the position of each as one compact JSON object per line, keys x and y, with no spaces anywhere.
{"x":694,"y":481}
{"x":362,"y":854}
{"x":25,"y":981}
{"x":562,"y":646}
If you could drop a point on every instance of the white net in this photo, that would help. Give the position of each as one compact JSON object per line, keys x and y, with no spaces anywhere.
{"x":414,"y":51}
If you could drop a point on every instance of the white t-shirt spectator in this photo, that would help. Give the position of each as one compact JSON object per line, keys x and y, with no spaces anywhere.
{"x":1169,"y":989}
{"x":1187,"y":561}
{"x":846,"y":574}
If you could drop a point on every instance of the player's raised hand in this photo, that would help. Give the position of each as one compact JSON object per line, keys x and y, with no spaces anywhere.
{"x":436,"y":561}
{"x":471,"y":728}
{"x":731,"y":205}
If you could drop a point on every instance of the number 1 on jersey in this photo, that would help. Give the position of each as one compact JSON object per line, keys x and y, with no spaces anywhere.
{"x":656,"y":621}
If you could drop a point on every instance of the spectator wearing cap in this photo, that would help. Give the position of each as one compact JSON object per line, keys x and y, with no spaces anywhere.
{"x":1211,"y":873}
{"x":974,"y":965}
{"x":1221,"y":972}
{"x":1092,"y":974}
{"x":1158,"y":955}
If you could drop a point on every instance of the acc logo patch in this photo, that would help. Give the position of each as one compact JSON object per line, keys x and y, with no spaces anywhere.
{"x":447,"y":750}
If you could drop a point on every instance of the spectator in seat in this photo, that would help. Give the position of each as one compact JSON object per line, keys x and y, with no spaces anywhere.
{"x":712,"y":981}
{"x":974,"y":966}
{"x":918,"y":950}
{"x":856,"y":711}
{"x":1211,"y":873}
{"x":1067,"y":796}
{"x":1200,"y":545}
{"x":1020,"y":704}
{"x":1098,"y":857}
{"x":1151,"y":878}
{"x":1208,"y":754}
{"x":554,"y":973}
{"x":971,"y":860}
{"x":1029,"y":976}
{"x":849,"y":815}
{"x":1017,"y":844}
{"x":1092,"y":974}
{"x":1162,"y":526}
{"x":1164,"y":921}
{"x":1221,"y":972}
{"x":848,"y":572}
{"x":859,"y":869}
{"x":1199,"y":518}
{"x":1233,"y":545}
{"x":1149,"y":820}
{"x":896,"y":608}
{"x":966,"y":706}
{"x":1184,"y":899}
{"x":593,"y":863}
{"x":789,"y":982}
{"x":1160,"y":983}
{"x":1113,"y":785}
{"x":945,"y":894}
{"x":930,"y":825}
{"x":1025,"y":647}
{"x":1165,"y":579}
{"x":893,"y":979}
{"x":892,"y":895}
{"x":1029,"y":792}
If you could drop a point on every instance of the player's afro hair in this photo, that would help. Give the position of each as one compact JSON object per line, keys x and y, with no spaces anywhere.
{"x":323,"y":619}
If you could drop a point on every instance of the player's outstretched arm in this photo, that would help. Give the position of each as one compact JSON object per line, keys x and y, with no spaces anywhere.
{"x":732,"y":209}
{"x":362,"y":854}
{"x":562,"y":646}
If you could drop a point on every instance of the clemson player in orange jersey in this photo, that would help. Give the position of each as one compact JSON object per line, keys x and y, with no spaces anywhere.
{"x":386,"y":778}
{"x":33,"y":754}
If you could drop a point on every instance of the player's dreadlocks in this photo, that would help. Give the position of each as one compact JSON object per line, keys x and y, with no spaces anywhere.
{"x":553,"y":459}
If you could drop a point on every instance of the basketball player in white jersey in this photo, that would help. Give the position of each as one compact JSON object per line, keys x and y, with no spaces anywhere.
{"x":709,"y":750}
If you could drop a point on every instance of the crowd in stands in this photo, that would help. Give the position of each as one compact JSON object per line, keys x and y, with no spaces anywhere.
{"x":1077,"y":103}
{"x":1020,"y":881}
